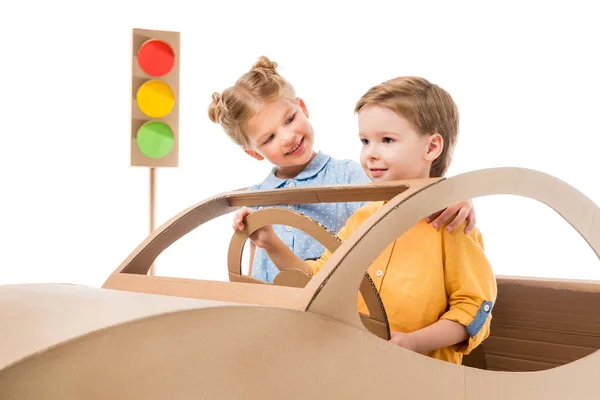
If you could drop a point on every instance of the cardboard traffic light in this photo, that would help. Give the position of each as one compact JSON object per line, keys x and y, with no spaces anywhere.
{"x":155,"y":98}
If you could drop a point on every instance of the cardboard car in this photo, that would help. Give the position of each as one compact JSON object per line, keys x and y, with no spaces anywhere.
{"x":151,"y":337}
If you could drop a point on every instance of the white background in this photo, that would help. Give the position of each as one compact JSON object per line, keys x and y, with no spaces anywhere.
{"x":524,"y":74}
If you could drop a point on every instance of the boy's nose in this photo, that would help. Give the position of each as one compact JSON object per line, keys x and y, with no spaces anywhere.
{"x":373,"y":155}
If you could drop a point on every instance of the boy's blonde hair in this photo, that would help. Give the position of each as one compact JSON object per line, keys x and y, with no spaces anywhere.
{"x":237,"y":104}
{"x":428,"y":107}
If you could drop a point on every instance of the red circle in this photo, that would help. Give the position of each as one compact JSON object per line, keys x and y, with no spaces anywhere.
{"x":156,"y":58}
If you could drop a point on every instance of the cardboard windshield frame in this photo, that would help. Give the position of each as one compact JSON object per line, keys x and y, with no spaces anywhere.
{"x":132,"y":273}
{"x":310,"y":341}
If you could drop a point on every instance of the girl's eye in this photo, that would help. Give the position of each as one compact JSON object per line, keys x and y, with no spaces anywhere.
{"x":364,"y":141}
{"x":269,"y":139}
{"x":290,"y":119}
{"x":388,"y":140}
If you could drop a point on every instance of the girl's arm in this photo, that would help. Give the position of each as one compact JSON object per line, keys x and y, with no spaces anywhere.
{"x":251,"y":262}
{"x":454,"y":216}
{"x":281,"y":255}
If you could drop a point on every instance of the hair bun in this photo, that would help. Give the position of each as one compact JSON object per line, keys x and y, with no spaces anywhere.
{"x":265,"y":65}
{"x":217,"y":108}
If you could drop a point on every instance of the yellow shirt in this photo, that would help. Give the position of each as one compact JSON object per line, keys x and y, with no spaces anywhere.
{"x":428,"y":274}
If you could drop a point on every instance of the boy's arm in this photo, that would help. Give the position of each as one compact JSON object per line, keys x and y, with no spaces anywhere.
{"x":470,"y":285}
{"x":443,"y":333}
{"x":471,"y":290}
{"x":315,"y":265}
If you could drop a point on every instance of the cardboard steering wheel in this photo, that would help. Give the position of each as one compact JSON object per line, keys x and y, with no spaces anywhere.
{"x":376,"y":321}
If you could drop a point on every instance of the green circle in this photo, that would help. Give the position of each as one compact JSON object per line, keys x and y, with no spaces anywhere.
{"x":155,"y":139}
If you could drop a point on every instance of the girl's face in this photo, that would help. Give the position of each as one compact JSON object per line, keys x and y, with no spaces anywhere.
{"x":281,"y":133}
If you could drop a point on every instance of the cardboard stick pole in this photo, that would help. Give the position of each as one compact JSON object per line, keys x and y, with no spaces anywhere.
{"x":152,"y":210}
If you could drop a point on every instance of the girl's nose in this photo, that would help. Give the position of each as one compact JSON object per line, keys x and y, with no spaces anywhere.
{"x":289,"y":138}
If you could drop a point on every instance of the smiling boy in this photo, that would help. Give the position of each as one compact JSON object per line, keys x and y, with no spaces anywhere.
{"x":438,"y":287}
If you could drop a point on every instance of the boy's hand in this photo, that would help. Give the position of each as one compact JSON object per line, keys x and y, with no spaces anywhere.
{"x":455,"y":215}
{"x":404,"y":340}
{"x":262,"y":237}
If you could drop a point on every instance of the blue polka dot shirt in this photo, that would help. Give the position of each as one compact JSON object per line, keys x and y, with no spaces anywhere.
{"x":322,"y":170}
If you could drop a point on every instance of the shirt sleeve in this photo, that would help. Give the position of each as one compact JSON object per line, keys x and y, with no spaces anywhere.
{"x":354,"y":174}
{"x":254,"y":187}
{"x":470,"y":285}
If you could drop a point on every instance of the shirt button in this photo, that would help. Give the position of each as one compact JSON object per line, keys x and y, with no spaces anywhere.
{"x":288,"y":228}
{"x":379,"y":272}
{"x":486,"y":308}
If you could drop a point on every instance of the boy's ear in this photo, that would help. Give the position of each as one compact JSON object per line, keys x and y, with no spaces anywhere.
{"x":254,"y":154}
{"x":435,"y":145}
{"x":303,"y":106}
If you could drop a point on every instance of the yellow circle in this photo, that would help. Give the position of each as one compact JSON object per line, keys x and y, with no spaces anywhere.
{"x":155,"y":99}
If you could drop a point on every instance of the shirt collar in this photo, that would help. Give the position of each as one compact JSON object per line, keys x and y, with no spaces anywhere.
{"x":312,"y":169}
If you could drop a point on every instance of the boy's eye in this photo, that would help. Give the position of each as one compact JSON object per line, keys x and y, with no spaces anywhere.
{"x":290,"y":119}
{"x":364,"y":141}
{"x":388,"y":140}
{"x":271,"y":136}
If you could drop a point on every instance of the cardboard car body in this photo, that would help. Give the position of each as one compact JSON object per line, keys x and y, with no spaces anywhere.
{"x":153,"y":337}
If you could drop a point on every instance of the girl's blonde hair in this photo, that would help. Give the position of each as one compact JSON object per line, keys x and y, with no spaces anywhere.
{"x":237,"y":104}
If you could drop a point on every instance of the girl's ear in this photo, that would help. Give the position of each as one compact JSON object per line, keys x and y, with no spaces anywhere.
{"x":303,"y":106}
{"x":254,"y":154}
{"x":435,"y":145}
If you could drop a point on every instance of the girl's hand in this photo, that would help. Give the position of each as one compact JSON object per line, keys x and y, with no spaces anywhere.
{"x":455,"y":215}
{"x":238,"y":218}
{"x":262,"y":237}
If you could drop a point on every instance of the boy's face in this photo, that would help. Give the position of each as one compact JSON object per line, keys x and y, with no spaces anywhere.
{"x":281,"y":133}
{"x":392,"y":148}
